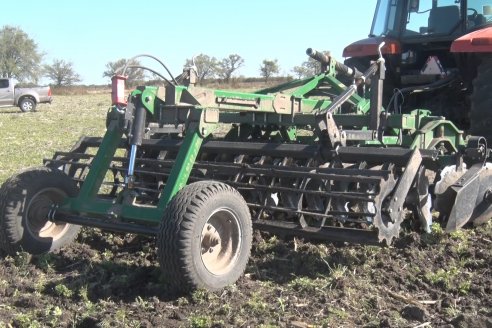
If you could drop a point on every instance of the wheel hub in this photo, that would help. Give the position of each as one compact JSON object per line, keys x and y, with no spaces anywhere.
{"x":210,"y":238}
{"x":37,"y":215}
{"x":220,"y":241}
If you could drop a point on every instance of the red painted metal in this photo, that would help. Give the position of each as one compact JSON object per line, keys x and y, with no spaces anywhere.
{"x":118,"y":90}
{"x":477,"y":41}
{"x":369,"y":47}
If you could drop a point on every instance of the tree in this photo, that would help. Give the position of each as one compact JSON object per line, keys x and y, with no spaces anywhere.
{"x":308,"y":68}
{"x":134,"y":74}
{"x":19,"y":56}
{"x":206,"y":66}
{"x":229,"y":65}
{"x":269,"y":68}
{"x":62,"y":73}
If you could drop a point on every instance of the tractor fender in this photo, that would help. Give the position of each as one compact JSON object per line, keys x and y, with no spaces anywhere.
{"x":369,"y":47}
{"x":478,"y":41}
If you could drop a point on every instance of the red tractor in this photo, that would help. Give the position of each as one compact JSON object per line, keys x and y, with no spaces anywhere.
{"x":438,"y":56}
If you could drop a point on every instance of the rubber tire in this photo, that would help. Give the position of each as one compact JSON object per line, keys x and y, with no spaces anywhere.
{"x":27,"y":105}
{"x":179,"y":239}
{"x":16,"y":195}
{"x":481,"y":102}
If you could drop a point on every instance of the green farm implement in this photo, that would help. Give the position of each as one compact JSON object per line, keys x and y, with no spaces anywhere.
{"x":200,"y":168}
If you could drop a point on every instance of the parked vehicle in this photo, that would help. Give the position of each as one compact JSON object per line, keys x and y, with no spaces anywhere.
{"x":26,"y":98}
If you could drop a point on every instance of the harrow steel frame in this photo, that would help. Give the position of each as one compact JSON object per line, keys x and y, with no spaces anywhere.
{"x":198,"y":167}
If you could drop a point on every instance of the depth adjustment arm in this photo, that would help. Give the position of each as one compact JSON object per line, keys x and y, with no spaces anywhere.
{"x":325,"y":118}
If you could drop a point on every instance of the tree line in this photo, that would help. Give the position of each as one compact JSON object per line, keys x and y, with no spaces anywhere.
{"x":21,"y":59}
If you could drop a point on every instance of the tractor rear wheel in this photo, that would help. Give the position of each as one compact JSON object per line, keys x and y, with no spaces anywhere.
{"x":481,"y":102}
{"x":204,"y":239}
{"x":25,"y":202}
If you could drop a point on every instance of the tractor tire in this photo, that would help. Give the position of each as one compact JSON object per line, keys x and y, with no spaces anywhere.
{"x":27,"y":105}
{"x":25,"y":201}
{"x":204,"y":239}
{"x":481,"y":102}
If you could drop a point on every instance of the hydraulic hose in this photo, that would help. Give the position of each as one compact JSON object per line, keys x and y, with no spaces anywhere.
{"x":130,"y":61}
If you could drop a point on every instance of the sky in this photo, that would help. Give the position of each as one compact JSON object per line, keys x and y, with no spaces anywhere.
{"x":91,"y":33}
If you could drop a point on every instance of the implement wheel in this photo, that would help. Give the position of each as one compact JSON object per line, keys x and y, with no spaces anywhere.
{"x":204,"y":239}
{"x":25,"y":201}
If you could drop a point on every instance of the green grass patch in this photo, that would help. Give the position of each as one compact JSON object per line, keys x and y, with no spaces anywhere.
{"x":27,"y":138}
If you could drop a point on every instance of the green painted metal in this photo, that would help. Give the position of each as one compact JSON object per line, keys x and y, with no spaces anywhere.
{"x":115,"y":209}
{"x":285,"y":113}
{"x":289,"y":133}
{"x":241,"y":95}
{"x":284,"y":86}
{"x":100,"y":163}
{"x":309,"y":86}
{"x":182,"y":168}
{"x":149,"y":95}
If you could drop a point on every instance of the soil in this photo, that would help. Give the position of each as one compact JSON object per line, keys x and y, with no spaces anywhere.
{"x":114,"y":280}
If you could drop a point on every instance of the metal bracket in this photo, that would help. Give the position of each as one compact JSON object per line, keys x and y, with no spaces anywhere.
{"x":286,"y":104}
{"x":477,"y":150}
{"x":466,"y":192}
{"x":361,"y":135}
{"x":254,"y":103}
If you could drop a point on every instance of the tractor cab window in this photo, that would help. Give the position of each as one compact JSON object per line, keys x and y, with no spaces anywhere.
{"x":431,"y":17}
{"x":385,"y":22}
{"x":479,"y":13}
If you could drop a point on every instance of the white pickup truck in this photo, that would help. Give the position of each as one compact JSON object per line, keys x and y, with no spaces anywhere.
{"x":26,"y":98}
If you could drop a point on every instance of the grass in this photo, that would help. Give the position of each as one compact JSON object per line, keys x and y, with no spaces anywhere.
{"x":27,"y":138}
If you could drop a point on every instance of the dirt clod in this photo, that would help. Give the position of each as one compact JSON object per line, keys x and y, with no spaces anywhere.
{"x":471,"y":321}
{"x":413,"y":312}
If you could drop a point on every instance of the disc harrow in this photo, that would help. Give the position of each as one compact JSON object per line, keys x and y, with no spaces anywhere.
{"x":300,"y":184}
{"x":198,"y":168}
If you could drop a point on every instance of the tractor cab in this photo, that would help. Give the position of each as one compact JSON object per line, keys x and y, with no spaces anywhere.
{"x":429,"y":19}
{"x":414,"y":30}
{"x":434,"y":51}
{"x":409,"y":27}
